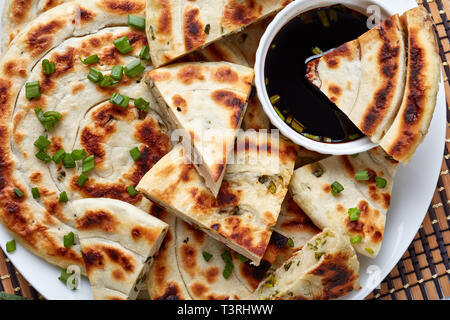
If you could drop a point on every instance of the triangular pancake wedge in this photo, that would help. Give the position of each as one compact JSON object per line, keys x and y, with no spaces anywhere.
{"x":414,"y":117}
{"x":359,"y":210}
{"x":208,"y":102}
{"x":176,"y":27}
{"x":118,"y":243}
{"x":249,"y":201}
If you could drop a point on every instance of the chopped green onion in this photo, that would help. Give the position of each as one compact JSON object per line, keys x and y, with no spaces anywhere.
{"x":142,"y":104}
{"x":279,"y":113}
{"x":107,"y":81}
{"x":362,"y":175}
{"x":136,"y":22}
{"x":55,"y":114}
{"x":355,"y":155}
{"x":33,"y":90}
{"x":123,"y":45}
{"x":226,"y":256}
{"x":63,"y":197}
{"x":82,"y":180}
{"x":145,"y":53}
{"x":290,"y":242}
{"x":272,"y":187}
{"x":120,"y":100}
{"x":132,"y":191}
{"x":297,"y":126}
{"x":380,"y":182}
{"x":79,"y":154}
{"x":323,"y":18}
{"x":275,"y":98}
{"x":135,"y":153}
{"x":48,"y":119}
{"x":336,"y":188}
{"x":116,"y":73}
{"x":356,"y":239}
{"x":64,"y":277}
{"x":317,"y":51}
{"x":91,"y":60}
{"x":312,"y":137}
{"x":318,"y":255}
{"x":57,"y":157}
{"x":317,"y":169}
{"x":242,"y":258}
{"x":354,"y":214}
{"x":18,"y":192}
{"x":370,"y":250}
{"x":11,"y":297}
{"x":35,"y":192}
{"x":134,"y":68}
{"x":207,"y":256}
{"x":69,"y":239}
{"x":88,"y":164}
{"x":228,"y":270}
{"x":68,"y":161}
{"x":94,"y":75}
{"x":11,"y":246}
{"x":48,"y":67}
{"x":42,"y":143}
{"x":41,"y":155}
{"x":353,"y":136}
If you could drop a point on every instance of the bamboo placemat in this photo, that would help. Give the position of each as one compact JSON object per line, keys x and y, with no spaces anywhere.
{"x":424,"y":271}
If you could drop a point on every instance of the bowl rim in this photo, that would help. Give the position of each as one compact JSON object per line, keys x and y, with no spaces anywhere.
{"x":281,"y":19}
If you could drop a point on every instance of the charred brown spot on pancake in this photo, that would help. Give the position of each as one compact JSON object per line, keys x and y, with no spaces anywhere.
{"x":148,"y":234}
{"x":15,"y":68}
{"x":345,"y":160}
{"x":194,"y":34}
{"x":171,"y":293}
{"x":84,"y":15}
{"x":232,"y":101}
{"x":216,"y":172}
{"x":386,"y":200}
{"x":20,"y":10}
{"x":158,"y":75}
{"x":190,"y":74}
{"x":240,"y":13}
{"x":93,"y":259}
{"x":180,"y":103}
{"x":198,"y":235}
{"x":41,"y":37}
{"x":211,"y":274}
{"x":64,"y":63}
{"x":326,"y":188}
{"x":188,"y":255}
{"x":340,"y":208}
{"x":215,"y":227}
{"x":198,"y":289}
{"x":36,"y":177}
{"x":337,"y":278}
{"x":117,"y":274}
{"x":216,"y":53}
{"x":92,"y":143}
{"x":100,"y":219}
{"x":225,"y":74}
{"x":123,"y":6}
{"x":164,"y":24}
{"x":120,"y":258}
{"x":333,"y":58}
{"x":297,"y":220}
{"x":77,"y":87}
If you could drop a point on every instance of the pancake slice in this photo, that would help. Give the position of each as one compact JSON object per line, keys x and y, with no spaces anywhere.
{"x":369,"y":200}
{"x":207,"y":101}
{"x":422,"y":85}
{"x":326,"y":268}
{"x":118,"y":243}
{"x":176,"y":27}
{"x":249,"y":200}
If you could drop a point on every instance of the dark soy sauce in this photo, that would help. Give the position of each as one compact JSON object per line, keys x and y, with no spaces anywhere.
{"x":293,"y":97}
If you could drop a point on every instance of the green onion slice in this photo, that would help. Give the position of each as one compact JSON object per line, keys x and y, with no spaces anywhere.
{"x":91,"y":60}
{"x":290,"y":242}
{"x":82,"y":180}
{"x":145,"y":53}
{"x":228,"y":270}
{"x":123,"y":45}
{"x":107,"y":81}
{"x":48,"y":119}
{"x":135,"y":153}
{"x":11,"y":246}
{"x":380,"y":182}
{"x":65,"y":276}
{"x":362,"y":175}
{"x":18,"y":192}
{"x":354,"y":214}
{"x":94,"y":75}
{"x":242,"y":258}
{"x":356,"y":239}
{"x":35,"y":192}
{"x":48,"y":67}
{"x":68,"y":161}
{"x":42,"y":143}
{"x":134,"y":68}
{"x":116,"y":73}
{"x":132,"y":191}
{"x":120,"y":100}
{"x":11,"y":297}
{"x":69,"y":239}
{"x":79,"y":154}
{"x":136,"y":22}
{"x":44,"y":157}
{"x":58,"y":156}
{"x":88,"y":164}
{"x":63,"y":197}
{"x":33,"y":90}
{"x":207,"y":256}
{"x":275,"y":98}
{"x":142,"y":104}
{"x":336,"y":188}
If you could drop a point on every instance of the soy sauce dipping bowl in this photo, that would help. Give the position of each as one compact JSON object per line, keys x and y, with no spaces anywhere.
{"x":283,"y":17}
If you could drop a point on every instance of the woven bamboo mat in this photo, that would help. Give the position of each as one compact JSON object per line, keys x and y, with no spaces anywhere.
{"x":424,"y":270}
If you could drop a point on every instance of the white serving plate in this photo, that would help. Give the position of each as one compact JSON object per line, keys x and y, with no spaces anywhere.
{"x":413,"y":190}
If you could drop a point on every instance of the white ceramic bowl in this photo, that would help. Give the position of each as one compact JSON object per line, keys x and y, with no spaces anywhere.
{"x":287,"y":14}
